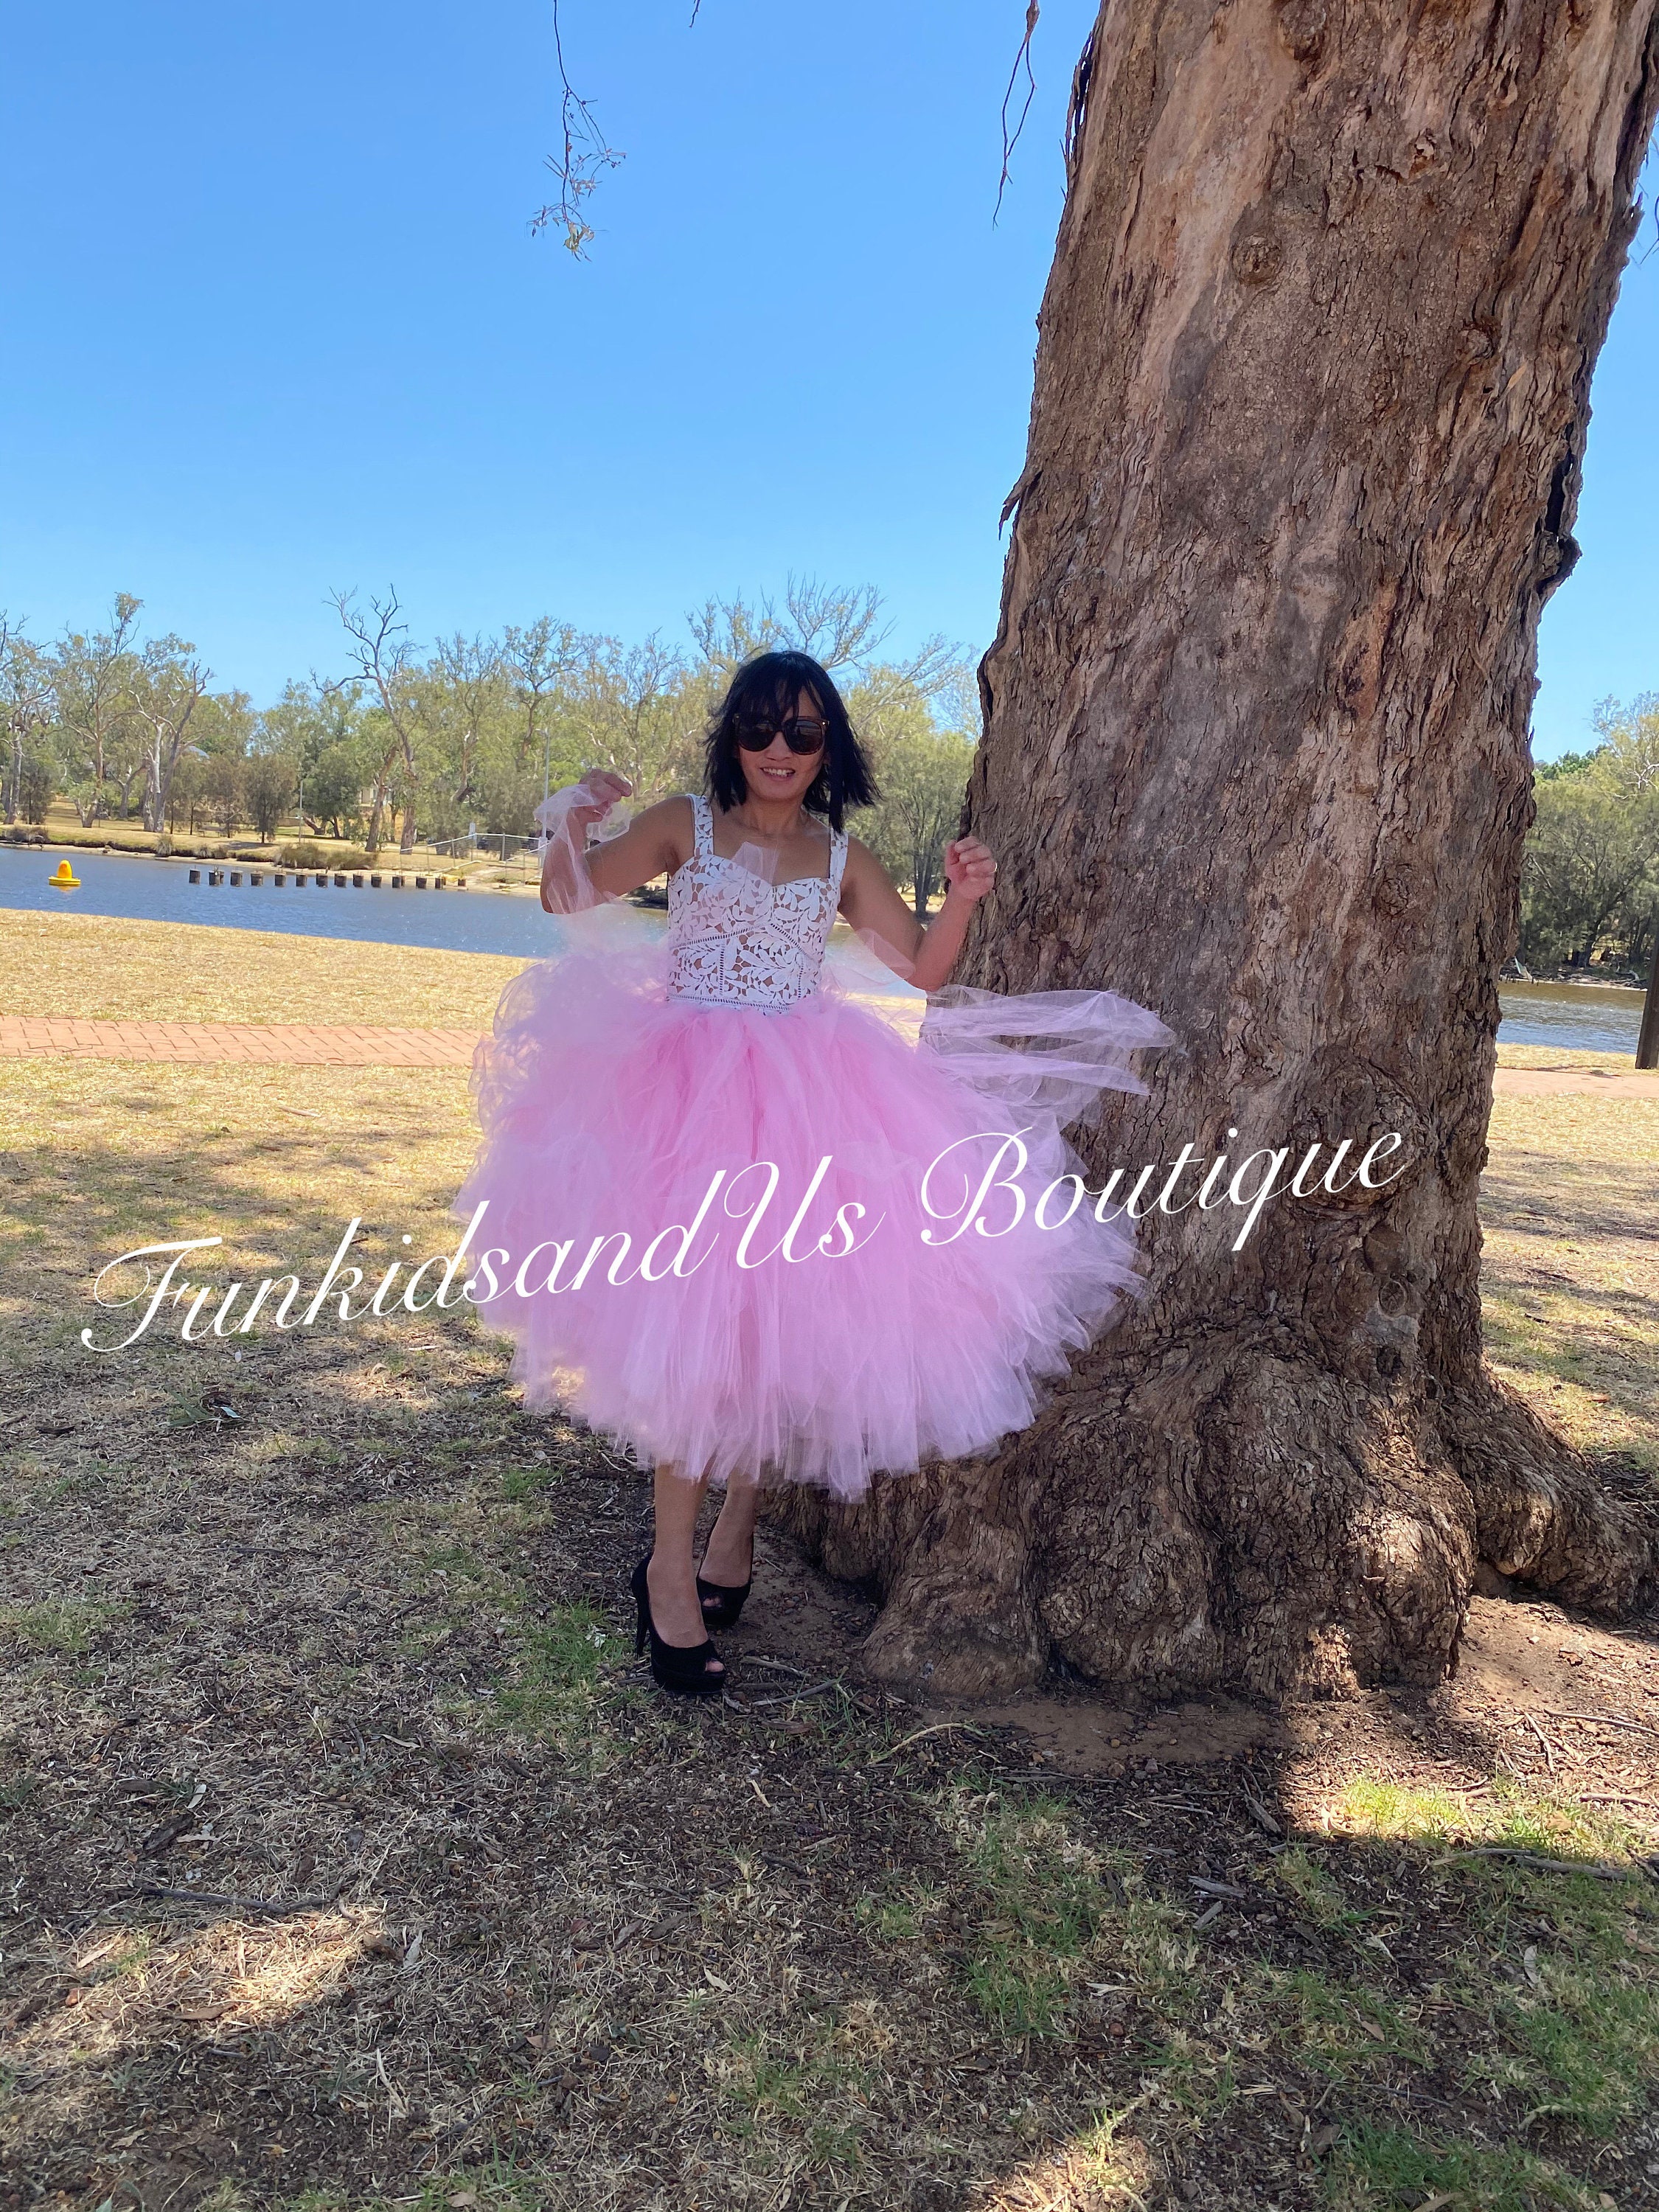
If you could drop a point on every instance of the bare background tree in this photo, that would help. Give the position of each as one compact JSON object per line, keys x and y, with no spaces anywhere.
{"x":379,"y":648}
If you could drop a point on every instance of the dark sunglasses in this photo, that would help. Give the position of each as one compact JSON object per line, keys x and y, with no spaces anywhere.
{"x":801,"y":733}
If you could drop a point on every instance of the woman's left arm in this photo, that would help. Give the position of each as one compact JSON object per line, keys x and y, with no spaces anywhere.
{"x":925,"y":956}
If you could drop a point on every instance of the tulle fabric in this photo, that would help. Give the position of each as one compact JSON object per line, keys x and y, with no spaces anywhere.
{"x":564,"y":851}
{"x":607,"y":1109}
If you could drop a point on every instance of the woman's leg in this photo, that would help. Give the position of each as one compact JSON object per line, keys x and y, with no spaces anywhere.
{"x":672,"y":1577}
{"x":730,"y":1557}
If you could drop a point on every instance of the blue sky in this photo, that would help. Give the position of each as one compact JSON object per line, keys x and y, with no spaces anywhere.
{"x":275,"y":325}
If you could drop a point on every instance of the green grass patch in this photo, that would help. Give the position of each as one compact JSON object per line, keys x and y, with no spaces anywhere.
{"x":900,"y":1912}
{"x":1516,"y":1816}
{"x":62,"y":1625}
{"x":1016,"y":1989}
{"x":519,"y":1484}
{"x":1342,"y":2029}
{"x":1558,"y":1967}
{"x":1577,"y":2031}
{"x":1321,"y":1898}
{"x":1586,"y":2049}
{"x":804,"y":2094}
{"x":557,"y":1670}
{"x":1051,"y":1911}
{"x":1042,"y":1903}
{"x":1395,"y":1813}
{"x":1037,"y":1876}
{"x":1376,"y":2169}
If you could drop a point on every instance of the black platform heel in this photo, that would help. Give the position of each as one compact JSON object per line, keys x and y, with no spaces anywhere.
{"x":683,"y":1669}
{"x":722,"y":1606}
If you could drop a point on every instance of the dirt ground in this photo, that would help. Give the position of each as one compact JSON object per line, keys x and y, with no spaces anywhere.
{"x":348,"y":1862}
{"x":347,"y":1859}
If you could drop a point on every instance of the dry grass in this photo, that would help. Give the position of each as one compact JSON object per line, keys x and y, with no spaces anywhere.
{"x":1556,"y":1055}
{"x":349,"y":1863}
{"x":101,"y":969}
{"x":1570,"y":1271}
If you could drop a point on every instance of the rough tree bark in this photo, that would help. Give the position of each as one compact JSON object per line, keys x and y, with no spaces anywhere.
{"x":1312,"y":386}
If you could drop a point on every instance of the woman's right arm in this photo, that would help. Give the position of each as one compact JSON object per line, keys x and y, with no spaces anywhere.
{"x":654,"y":842}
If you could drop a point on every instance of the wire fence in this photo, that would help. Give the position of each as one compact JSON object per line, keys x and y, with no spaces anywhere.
{"x":498,"y":845}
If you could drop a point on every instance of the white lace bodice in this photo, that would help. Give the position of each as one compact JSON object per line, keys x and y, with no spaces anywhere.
{"x":736,"y":940}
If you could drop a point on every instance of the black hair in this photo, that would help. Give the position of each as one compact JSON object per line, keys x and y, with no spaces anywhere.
{"x":769,"y":689}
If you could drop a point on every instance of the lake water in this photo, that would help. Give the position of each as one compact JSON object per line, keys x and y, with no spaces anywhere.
{"x":451,"y":921}
{"x":1581,"y":1016}
{"x":139,"y":890}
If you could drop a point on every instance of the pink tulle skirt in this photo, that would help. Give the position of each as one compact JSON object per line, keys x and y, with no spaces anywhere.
{"x":800,"y":1245}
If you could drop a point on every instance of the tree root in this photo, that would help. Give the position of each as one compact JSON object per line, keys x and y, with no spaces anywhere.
{"x":1587,"y":1536}
{"x":1270,"y":1528}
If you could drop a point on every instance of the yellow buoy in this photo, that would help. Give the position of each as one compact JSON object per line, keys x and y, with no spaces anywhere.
{"x":65,"y":879}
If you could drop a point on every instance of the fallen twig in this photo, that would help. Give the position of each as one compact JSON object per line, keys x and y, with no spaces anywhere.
{"x":788,"y":1697}
{"x":939,"y":1728}
{"x":264,"y":1908}
{"x":1259,"y":1812}
{"x":1601,"y":1720}
{"x":366,"y":1642}
{"x":1549,"y":1754}
{"x":1599,"y":1868}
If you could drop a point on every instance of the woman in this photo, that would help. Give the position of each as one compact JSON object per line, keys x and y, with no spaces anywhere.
{"x":765,"y":1236}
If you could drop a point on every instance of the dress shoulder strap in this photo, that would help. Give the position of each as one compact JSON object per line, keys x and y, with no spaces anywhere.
{"x":838,"y":861}
{"x":703,"y":826}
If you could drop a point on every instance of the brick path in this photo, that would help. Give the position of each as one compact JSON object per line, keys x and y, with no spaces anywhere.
{"x":295,"y":1044}
{"x":283,"y":1044}
{"x":1597,"y":1082}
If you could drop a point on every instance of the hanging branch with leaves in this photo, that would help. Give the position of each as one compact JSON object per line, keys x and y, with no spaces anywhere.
{"x":586,"y":157}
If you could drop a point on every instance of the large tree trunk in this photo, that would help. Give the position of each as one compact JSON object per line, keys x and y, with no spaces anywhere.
{"x":1311,"y":394}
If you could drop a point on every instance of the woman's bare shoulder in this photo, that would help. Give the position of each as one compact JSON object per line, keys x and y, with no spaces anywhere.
{"x":861,"y":859}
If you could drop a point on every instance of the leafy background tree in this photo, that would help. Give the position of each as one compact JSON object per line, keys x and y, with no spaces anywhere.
{"x":270,"y":792}
{"x":26,"y":714}
{"x":1590,"y":874}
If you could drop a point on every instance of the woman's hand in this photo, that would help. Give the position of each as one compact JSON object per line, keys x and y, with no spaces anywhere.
{"x":924,"y":957}
{"x":607,"y":788}
{"x":969,"y":871}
